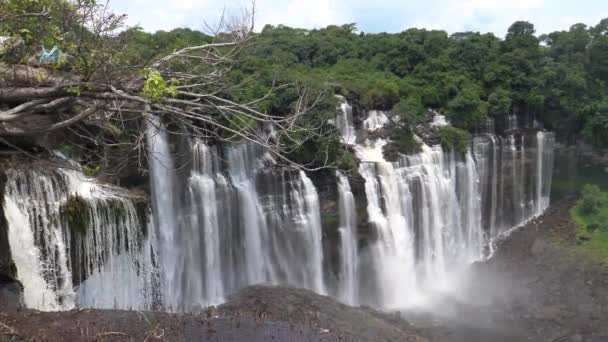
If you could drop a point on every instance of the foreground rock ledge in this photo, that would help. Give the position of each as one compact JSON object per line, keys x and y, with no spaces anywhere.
{"x":259,"y":313}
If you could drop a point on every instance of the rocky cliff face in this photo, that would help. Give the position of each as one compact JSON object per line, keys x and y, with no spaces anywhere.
{"x":10,"y":289}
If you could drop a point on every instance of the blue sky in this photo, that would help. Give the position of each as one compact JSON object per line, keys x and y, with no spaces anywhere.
{"x":371,"y":15}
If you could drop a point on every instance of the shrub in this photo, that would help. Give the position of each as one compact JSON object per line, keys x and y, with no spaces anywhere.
{"x":593,"y":227}
{"x":91,"y":170}
{"x":592,"y":199}
{"x":452,"y":138}
{"x":402,"y":141}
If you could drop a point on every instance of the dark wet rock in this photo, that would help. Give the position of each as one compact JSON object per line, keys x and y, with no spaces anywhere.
{"x":576,"y":338}
{"x":11,"y":293}
{"x":550,"y":313}
{"x":107,"y":325}
{"x":538,"y":246}
{"x":7,"y":267}
{"x":598,"y":339}
{"x":319,"y":312}
{"x":391,"y":152}
{"x":256,"y":314}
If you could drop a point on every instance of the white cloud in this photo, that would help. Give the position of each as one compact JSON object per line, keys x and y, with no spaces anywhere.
{"x":372,"y":15}
{"x":302,"y":13}
{"x":162,"y":15}
{"x":478,"y":15}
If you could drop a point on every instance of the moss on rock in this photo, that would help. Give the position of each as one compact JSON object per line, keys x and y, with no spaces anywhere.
{"x":76,"y":213}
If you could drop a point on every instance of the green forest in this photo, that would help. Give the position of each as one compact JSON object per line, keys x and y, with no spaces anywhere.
{"x":560,"y":78}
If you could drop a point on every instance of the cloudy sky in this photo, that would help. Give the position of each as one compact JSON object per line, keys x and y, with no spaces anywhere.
{"x":372,"y":15}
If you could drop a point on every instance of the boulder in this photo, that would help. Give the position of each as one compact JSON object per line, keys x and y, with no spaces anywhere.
{"x":11,"y":293}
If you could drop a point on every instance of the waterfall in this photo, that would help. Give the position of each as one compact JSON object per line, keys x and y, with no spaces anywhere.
{"x":310,"y":220}
{"x":434,"y":212}
{"x":393,"y":252}
{"x":63,"y":266}
{"x":375,"y":120}
{"x":486,"y":150}
{"x":511,"y":122}
{"x":344,"y":121}
{"x":237,"y":224}
{"x":349,"y":277}
{"x":38,"y":292}
{"x":515,"y":178}
{"x":229,"y":217}
{"x":204,"y":184}
{"x":544,"y":170}
{"x":428,"y":212}
{"x":242,"y":174}
{"x":165,"y":218}
{"x":34,"y":200}
{"x":114,"y":251}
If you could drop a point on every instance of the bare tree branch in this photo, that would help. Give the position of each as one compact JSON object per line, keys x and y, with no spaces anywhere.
{"x":104,"y":108}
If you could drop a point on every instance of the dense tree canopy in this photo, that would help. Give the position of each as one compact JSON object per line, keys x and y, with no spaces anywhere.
{"x":103,"y":87}
{"x":559,"y":78}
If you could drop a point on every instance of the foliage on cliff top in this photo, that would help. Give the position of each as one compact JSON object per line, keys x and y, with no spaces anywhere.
{"x":455,"y":139}
{"x":120,"y":77}
{"x":561,"y":77}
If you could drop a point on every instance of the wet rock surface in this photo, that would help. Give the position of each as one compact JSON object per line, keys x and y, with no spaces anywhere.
{"x":11,"y":293}
{"x":255,"y":314}
{"x":319,"y":312}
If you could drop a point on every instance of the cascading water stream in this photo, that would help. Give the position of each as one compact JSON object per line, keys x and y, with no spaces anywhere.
{"x":65,"y":264}
{"x":447,"y":207}
{"x":348,"y":291}
{"x":38,"y":292}
{"x":344,"y":122}
{"x":307,"y":201}
{"x":393,"y":253}
{"x":204,"y":184}
{"x":165,"y":218}
{"x":375,"y":120}
{"x":232,"y":219}
{"x":242,"y":174}
{"x":233,"y":229}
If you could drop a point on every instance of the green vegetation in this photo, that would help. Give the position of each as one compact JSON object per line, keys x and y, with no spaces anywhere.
{"x":405,"y":141}
{"x":592,"y":201}
{"x":156,"y":87}
{"x":453,"y":138}
{"x":91,"y":170}
{"x":591,"y":216}
{"x":76,"y":213}
{"x":560,"y":78}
